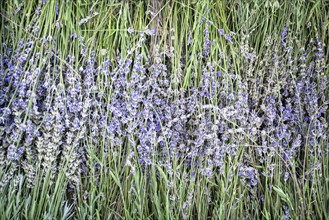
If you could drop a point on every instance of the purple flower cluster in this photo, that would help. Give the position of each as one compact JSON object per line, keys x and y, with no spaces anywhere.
{"x":54,"y":115}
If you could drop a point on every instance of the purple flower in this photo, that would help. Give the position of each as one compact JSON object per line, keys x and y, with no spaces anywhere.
{"x":221,"y":32}
{"x":14,"y":153}
{"x":131,"y":30}
{"x":73,"y":36}
{"x":286,"y":213}
{"x":228,"y":38}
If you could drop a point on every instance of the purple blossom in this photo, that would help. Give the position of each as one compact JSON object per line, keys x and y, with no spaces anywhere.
{"x":14,"y":153}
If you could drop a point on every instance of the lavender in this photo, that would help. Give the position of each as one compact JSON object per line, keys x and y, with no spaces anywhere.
{"x":14,"y":153}
{"x":206,"y":44}
{"x":241,"y":124}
